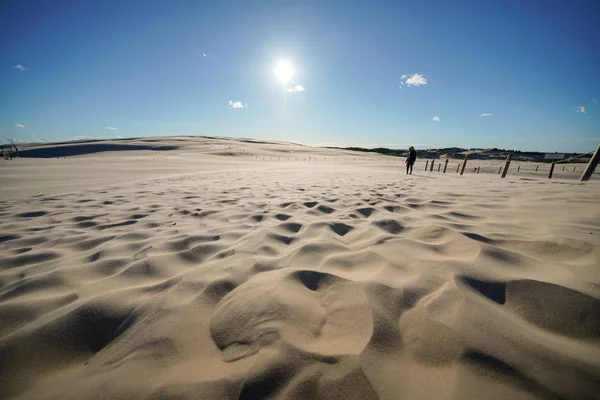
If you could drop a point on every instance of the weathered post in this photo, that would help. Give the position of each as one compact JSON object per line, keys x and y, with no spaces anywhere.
{"x":16,"y":150}
{"x":551,"y":171}
{"x":506,"y":165}
{"x":462,"y":171}
{"x":574,"y":169}
{"x":439,"y":166}
{"x":446,"y":165}
{"x":536,"y":168}
{"x":589,"y":170}
{"x":457,"y":168}
{"x":499,"y":170}
{"x":431,"y":168}
{"x":478,"y":169}
{"x":519,"y":168}
{"x":563,"y":168}
{"x":426,"y":164}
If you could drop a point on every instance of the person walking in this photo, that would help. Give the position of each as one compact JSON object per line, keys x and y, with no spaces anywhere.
{"x":410,"y":160}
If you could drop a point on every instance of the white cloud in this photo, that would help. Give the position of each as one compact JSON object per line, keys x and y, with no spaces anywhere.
{"x":110,"y":128}
{"x":413,"y":80}
{"x":485,"y":115}
{"x":203,"y":54}
{"x":236,"y":104}
{"x":581,"y":109}
{"x":19,"y":67}
{"x":19,"y":126}
{"x":297,"y":88}
{"x":436,"y":118}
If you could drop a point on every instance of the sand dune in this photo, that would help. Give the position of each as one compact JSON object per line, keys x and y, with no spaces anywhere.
{"x":207,"y":272}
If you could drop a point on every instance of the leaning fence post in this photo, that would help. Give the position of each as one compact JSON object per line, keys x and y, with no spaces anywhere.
{"x":551,"y":171}
{"x":446,"y":165}
{"x":464,"y":164}
{"x":536,"y":168}
{"x":426,"y":164}
{"x":431,"y":168}
{"x":439,"y":166}
{"x":457,"y":168}
{"x":589,"y":170}
{"x":499,"y":170}
{"x":478,"y":169}
{"x":506,"y":165}
{"x":518,"y":168}
{"x":16,"y":150}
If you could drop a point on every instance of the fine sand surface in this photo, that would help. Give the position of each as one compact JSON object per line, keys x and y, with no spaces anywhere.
{"x":218,"y":269}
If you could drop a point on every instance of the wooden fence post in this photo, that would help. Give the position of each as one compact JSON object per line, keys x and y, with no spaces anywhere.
{"x":446,"y":165}
{"x":519,"y":168}
{"x":506,"y":165}
{"x":478,"y":169}
{"x":464,"y":164}
{"x":439,"y":166}
{"x":551,"y":171}
{"x":457,"y":168}
{"x":426,"y":164}
{"x":499,"y":170}
{"x":589,"y":170}
{"x":536,"y":168}
{"x":16,"y":150}
{"x":431,"y":168}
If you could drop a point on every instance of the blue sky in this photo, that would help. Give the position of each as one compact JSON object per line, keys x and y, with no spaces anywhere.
{"x":374,"y":73}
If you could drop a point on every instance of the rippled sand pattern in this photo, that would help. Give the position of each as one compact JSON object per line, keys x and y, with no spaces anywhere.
{"x":303,"y":284}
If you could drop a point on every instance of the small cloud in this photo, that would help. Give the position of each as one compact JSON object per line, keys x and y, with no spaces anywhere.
{"x":413,"y":80}
{"x":594,"y":101}
{"x":203,"y":54}
{"x":19,"y":126}
{"x":19,"y":67}
{"x":236,"y":104}
{"x":436,"y":118}
{"x":485,"y":115}
{"x":110,"y":128}
{"x":581,"y":109}
{"x":297,"y":88}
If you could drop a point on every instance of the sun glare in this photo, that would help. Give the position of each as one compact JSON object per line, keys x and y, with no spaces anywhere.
{"x":284,"y":70}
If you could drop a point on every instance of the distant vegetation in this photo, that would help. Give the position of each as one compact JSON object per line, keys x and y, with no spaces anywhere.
{"x":459,"y":153}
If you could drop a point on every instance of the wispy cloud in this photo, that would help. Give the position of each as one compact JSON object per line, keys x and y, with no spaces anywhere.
{"x":485,"y":115}
{"x":19,"y":126}
{"x":203,"y":54}
{"x":297,"y":88}
{"x":413,"y":80}
{"x":581,"y":109}
{"x":594,"y":101}
{"x":236,"y":104}
{"x":110,"y":128}
{"x":436,"y":118}
{"x":19,"y":67}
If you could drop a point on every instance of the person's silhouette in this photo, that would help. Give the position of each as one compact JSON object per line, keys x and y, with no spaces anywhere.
{"x":410,"y":160}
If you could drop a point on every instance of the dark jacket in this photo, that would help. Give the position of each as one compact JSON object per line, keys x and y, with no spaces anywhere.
{"x":412,"y":157}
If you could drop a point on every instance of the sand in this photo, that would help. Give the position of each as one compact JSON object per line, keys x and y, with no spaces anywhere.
{"x":218,"y":269}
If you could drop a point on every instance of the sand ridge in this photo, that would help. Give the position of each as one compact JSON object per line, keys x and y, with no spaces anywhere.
{"x":260,"y":280}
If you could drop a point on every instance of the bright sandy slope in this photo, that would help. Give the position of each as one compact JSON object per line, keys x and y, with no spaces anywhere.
{"x":228,"y":269}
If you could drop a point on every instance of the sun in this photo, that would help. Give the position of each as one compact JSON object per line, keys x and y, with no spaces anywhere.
{"x":284,"y":70}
